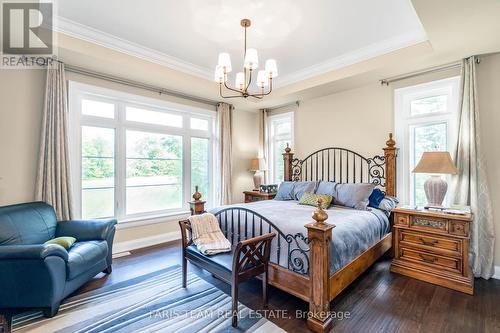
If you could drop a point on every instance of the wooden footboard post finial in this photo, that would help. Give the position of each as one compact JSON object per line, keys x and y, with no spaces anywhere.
{"x":390,"y":153}
{"x":319,"y":234}
{"x":287,"y":160}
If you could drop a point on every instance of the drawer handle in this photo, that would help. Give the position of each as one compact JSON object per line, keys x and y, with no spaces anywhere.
{"x":427,"y":258}
{"x":432,"y":242}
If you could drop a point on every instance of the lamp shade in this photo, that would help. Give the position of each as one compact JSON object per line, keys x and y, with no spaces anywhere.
{"x":271,"y":68}
{"x":436,"y":162}
{"x":240,"y":80}
{"x":251,"y":59}
{"x":262,"y":80}
{"x":225,"y":61}
{"x":257,"y":164}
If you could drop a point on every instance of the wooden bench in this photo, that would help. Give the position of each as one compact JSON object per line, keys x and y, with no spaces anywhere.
{"x":248,"y":259}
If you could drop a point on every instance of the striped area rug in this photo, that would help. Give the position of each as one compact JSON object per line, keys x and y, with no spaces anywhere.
{"x":155,"y":302}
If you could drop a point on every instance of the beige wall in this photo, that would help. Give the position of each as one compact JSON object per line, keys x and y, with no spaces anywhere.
{"x":344,"y":119}
{"x":245,"y":147}
{"x":21,"y":102}
{"x":361,"y":118}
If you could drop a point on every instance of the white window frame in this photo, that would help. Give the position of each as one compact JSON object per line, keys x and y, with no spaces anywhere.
{"x":78,"y":91}
{"x":404,"y":122}
{"x":288,"y":116}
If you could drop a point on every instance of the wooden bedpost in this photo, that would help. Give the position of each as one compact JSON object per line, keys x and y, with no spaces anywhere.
{"x":319,"y":234}
{"x":287,"y":160}
{"x":390,"y":153}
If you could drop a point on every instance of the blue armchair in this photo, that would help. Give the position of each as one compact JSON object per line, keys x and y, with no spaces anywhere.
{"x":35,"y":275}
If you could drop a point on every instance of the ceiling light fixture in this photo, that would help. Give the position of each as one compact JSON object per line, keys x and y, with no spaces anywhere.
{"x":244,"y":79}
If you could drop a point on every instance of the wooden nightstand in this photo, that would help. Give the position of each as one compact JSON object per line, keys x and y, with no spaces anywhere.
{"x":251,"y":196}
{"x":433,"y":247}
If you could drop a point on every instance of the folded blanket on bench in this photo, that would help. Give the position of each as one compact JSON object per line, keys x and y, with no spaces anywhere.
{"x":207,"y":235}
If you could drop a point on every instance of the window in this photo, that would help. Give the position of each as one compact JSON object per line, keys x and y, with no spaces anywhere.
{"x":280,"y":133}
{"x":98,"y":171}
{"x":425,"y":120}
{"x":135,"y":157}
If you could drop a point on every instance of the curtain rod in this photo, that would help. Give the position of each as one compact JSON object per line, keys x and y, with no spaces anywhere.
{"x":136,"y":84}
{"x":441,"y":68}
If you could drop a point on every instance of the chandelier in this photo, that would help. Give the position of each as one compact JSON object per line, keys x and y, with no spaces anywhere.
{"x":244,"y":79}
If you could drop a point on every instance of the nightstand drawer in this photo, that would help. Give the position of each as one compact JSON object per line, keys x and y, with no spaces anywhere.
{"x":431,"y":260}
{"x":427,"y":223}
{"x":430,"y":241}
{"x":402,"y":219}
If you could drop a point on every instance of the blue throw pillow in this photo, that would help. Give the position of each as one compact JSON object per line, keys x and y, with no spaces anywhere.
{"x":285,"y":191}
{"x":376,"y":198}
{"x":327,"y":188}
{"x":300,"y":188}
{"x":388,"y":203}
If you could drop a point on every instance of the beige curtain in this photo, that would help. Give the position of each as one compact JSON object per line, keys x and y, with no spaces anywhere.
{"x":224,"y":128}
{"x":470,"y":186}
{"x":264,"y":142}
{"x":53,"y":178}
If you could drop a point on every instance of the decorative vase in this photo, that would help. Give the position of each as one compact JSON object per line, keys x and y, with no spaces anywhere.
{"x":435,"y":190}
{"x":196,"y":195}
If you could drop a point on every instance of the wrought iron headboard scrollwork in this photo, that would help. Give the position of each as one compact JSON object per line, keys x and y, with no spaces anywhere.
{"x":340,"y":165}
{"x":343,"y":165}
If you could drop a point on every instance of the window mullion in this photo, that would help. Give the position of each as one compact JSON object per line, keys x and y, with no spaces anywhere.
{"x":121,"y":163}
{"x":186,"y":169}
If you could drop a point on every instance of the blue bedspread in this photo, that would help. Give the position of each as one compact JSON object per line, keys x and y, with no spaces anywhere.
{"x":355,"y":230}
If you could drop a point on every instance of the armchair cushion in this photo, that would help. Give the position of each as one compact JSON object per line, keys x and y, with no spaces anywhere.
{"x":83,"y":255}
{"x":38,"y":251}
{"x":85,"y":230}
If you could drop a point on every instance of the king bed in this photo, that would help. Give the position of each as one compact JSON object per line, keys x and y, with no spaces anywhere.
{"x":314,"y":259}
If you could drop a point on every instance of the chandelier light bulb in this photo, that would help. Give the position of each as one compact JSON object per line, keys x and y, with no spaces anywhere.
{"x":225,"y":61}
{"x":251,"y":59}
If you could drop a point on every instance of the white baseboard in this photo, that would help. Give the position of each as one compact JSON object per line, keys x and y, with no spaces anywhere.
{"x":496,"y":274}
{"x":146,"y":241}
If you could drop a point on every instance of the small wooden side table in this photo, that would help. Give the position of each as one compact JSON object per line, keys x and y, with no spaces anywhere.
{"x":433,"y":247}
{"x":251,"y":196}
{"x":197,"y":207}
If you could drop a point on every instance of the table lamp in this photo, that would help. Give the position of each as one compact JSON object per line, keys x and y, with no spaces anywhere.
{"x":436,"y":163}
{"x":257,"y":165}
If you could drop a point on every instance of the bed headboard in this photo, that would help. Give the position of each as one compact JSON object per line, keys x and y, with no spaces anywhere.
{"x":343,"y":165}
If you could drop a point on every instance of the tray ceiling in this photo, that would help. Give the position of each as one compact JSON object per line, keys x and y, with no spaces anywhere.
{"x":307,"y":38}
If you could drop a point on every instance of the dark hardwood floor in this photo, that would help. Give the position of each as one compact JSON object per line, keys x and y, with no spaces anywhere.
{"x":378,"y":301}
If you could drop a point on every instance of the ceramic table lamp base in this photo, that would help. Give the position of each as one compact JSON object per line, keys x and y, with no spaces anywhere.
{"x":257,"y":180}
{"x":435,"y":190}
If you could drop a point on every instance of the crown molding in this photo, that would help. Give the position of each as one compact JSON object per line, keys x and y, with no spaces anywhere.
{"x":353,"y":57}
{"x":89,"y":34}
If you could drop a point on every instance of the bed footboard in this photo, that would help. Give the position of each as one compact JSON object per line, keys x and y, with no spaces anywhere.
{"x":299,"y":264}
{"x":290,"y":251}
